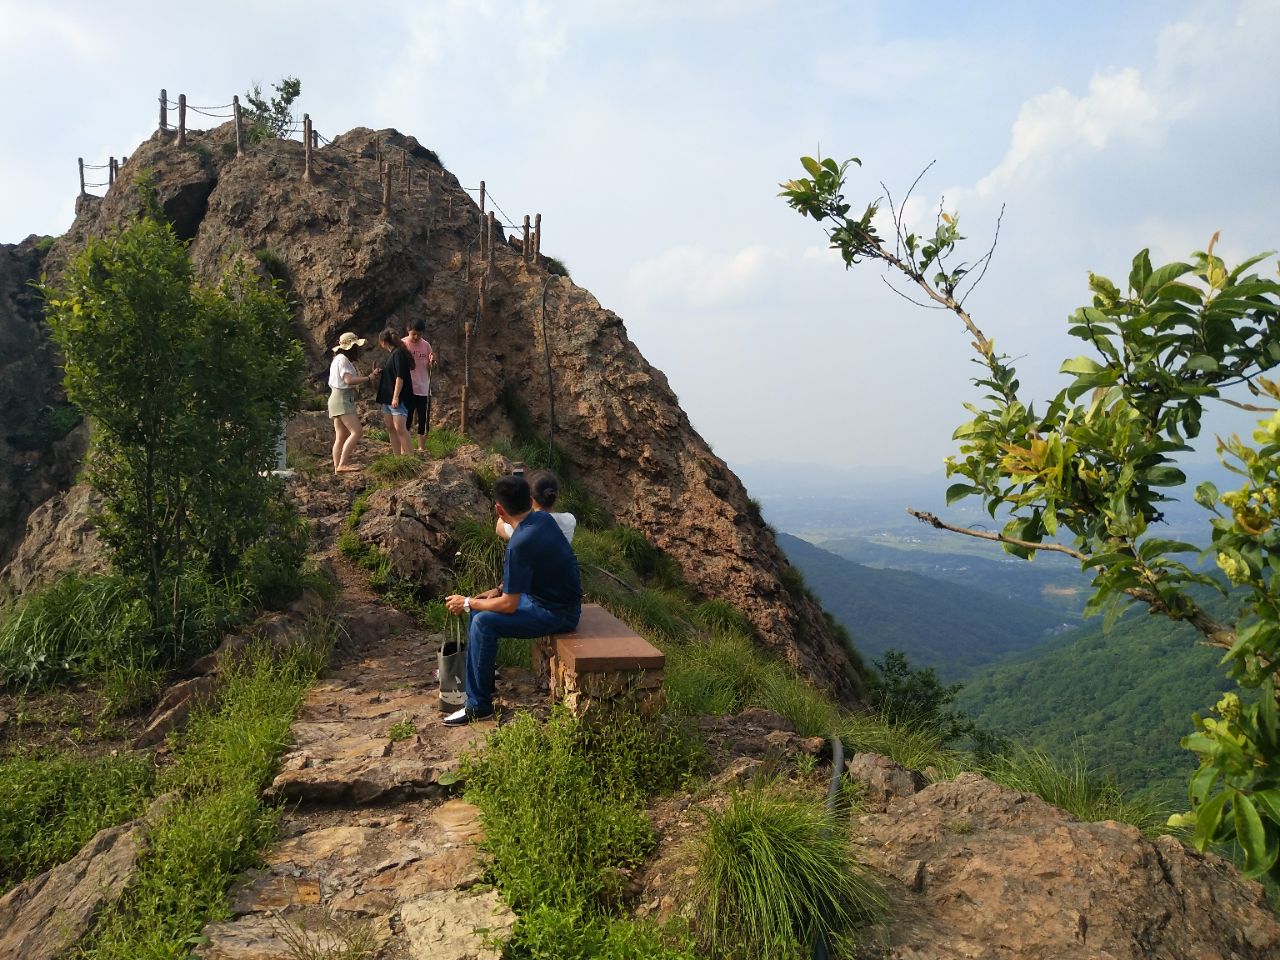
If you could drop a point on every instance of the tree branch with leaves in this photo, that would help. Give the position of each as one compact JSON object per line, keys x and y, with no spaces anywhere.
{"x":1087,"y":473}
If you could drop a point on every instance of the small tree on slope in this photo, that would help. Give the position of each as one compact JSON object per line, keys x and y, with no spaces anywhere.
{"x":1086,"y":474}
{"x":186,"y":387}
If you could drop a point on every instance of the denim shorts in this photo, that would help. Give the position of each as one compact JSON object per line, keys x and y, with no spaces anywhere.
{"x":400,"y":411}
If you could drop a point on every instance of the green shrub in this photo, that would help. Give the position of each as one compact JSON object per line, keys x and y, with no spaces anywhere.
{"x":50,"y":807}
{"x":773,"y":871}
{"x":373,"y":433}
{"x":45,"y":244}
{"x":555,"y":266}
{"x":564,"y":802}
{"x":396,"y":466}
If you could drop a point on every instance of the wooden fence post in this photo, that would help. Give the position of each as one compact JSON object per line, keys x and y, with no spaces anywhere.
{"x":466,"y":373}
{"x":81,"y":159}
{"x":408,"y":172}
{"x":386,"y":194}
{"x":493,"y":223}
{"x":164,"y":111}
{"x":537,"y":236}
{"x":182,"y":119}
{"x":111,"y":172}
{"x":525,"y":249}
{"x":235,"y":108}
{"x":481,"y":199}
{"x":307,"y":175}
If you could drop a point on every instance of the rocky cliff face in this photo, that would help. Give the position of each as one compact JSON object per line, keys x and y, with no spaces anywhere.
{"x":40,"y":445}
{"x":539,"y":337}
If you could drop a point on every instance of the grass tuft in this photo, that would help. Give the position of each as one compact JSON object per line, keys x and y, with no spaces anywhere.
{"x":1070,"y":783}
{"x":775,"y":870}
{"x":442,"y":442}
{"x":396,"y":466}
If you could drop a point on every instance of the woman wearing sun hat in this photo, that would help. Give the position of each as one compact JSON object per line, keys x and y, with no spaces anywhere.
{"x":343,"y":376}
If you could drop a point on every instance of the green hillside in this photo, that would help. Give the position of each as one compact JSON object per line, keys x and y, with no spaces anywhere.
{"x":1124,"y":698}
{"x":937,"y":624}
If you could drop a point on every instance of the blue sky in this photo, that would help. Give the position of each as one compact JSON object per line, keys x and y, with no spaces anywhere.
{"x":652,"y":137}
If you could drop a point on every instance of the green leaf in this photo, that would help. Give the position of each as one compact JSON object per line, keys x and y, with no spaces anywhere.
{"x":1141,"y":271}
{"x":1081,"y":365}
{"x":1164,"y":475}
{"x":1209,"y":817}
{"x":1207,"y":496}
{"x":1203,"y":363}
{"x":812,"y":166}
{"x":958,"y":491}
{"x":1165,"y":274}
{"x":1155,"y":547}
{"x":1268,"y":802}
{"x":1252,"y":837}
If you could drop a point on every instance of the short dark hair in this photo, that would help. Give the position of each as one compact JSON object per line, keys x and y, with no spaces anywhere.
{"x":419,"y":325}
{"x":513,"y":494}
{"x":544,"y":488}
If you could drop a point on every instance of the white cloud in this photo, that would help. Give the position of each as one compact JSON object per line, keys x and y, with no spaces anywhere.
{"x":1058,"y":127}
{"x":693,"y":275}
{"x":27,"y":25}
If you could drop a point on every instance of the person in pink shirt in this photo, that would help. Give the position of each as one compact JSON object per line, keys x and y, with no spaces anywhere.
{"x":423,"y":360}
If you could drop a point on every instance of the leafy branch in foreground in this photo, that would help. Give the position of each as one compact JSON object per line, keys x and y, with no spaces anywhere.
{"x":1092,"y":466}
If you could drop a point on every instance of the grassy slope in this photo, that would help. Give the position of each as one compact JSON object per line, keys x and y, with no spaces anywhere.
{"x":951,"y":628}
{"x":1124,"y":699}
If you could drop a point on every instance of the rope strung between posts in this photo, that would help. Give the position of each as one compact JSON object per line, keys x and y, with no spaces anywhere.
{"x":205,"y":113}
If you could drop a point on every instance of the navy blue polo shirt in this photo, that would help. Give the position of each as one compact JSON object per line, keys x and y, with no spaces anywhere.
{"x":540,"y":562}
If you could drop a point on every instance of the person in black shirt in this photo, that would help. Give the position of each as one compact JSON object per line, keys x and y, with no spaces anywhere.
{"x":395,"y":391}
{"x":541,"y":594}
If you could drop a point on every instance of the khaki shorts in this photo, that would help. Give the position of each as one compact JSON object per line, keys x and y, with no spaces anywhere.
{"x":341,"y":403}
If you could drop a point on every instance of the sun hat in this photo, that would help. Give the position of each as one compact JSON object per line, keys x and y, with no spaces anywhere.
{"x":349,"y":340}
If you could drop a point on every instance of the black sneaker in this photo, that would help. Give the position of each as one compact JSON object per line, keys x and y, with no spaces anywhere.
{"x":460,"y":718}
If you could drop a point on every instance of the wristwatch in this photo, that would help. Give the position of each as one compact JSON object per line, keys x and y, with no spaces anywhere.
{"x":466,"y":604}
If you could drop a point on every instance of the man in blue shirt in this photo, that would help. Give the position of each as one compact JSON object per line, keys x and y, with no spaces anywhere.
{"x":541,"y":594}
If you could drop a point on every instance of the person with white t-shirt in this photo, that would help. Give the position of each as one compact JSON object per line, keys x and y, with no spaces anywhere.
{"x":343,"y":377}
{"x":545,"y":490}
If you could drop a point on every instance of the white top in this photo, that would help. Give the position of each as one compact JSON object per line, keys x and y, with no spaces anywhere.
{"x":341,"y":366}
{"x":567,"y":523}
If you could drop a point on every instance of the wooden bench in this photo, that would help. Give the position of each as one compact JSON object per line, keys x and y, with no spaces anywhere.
{"x":602,"y":666}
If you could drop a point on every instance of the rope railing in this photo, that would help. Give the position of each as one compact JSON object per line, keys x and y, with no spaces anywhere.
{"x":394,"y":164}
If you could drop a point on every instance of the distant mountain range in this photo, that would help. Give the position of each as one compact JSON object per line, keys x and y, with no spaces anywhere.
{"x":953,"y":628}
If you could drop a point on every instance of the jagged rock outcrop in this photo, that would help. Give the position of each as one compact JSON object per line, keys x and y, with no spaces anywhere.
{"x":59,"y":537}
{"x":348,"y":268}
{"x":44,"y":918}
{"x":39,"y":444}
{"x":979,"y":870}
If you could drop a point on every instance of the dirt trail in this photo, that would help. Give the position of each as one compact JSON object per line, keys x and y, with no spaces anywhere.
{"x":374,"y":855}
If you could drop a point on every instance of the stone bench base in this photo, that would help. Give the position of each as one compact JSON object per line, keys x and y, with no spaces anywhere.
{"x":602,"y":667}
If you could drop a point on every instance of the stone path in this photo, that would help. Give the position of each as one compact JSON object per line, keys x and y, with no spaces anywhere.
{"x":376,"y":857}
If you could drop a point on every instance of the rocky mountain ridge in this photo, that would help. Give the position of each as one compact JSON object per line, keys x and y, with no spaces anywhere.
{"x":539,"y":339}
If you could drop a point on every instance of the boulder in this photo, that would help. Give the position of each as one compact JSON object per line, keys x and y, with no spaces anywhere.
{"x":985,"y":871}
{"x":44,"y":918}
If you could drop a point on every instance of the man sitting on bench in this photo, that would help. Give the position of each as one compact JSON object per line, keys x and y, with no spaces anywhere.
{"x":541,"y":594}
